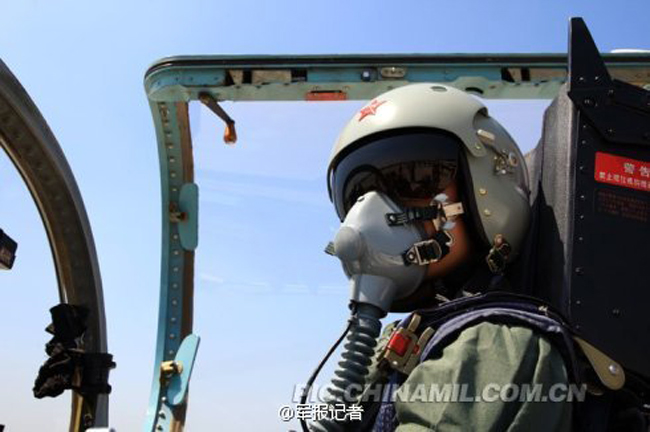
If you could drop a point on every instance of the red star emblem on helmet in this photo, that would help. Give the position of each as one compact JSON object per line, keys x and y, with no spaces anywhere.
{"x":370,"y":109}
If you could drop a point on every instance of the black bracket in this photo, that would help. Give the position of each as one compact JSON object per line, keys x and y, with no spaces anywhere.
{"x":608,"y":103}
{"x":68,"y":365}
{"x":7,"y":251}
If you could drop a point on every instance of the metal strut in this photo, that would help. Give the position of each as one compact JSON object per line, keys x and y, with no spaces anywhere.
{"x":176,"y":347}
{"x":35,"y":152}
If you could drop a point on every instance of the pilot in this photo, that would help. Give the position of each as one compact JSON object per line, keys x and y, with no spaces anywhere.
{"x":433,"y":197}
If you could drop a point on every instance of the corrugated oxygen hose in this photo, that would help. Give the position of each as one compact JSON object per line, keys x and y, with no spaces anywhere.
{"x":355,"y":359}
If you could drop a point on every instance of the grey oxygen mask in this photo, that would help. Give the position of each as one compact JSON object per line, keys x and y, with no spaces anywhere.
{"x":385,"y":252}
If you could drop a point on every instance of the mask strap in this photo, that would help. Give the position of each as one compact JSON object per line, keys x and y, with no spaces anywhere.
{"x":413,"y":214}
{"x":442,"y":214}
{"x":440,"y":211}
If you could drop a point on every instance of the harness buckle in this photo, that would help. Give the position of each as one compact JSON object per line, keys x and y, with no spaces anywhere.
{"x":402,"y":352}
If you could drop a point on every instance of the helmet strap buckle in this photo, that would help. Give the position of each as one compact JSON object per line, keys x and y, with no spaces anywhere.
{"x":429,"y":251}
{"x":447,"y":213}
{"x":498,"y":256}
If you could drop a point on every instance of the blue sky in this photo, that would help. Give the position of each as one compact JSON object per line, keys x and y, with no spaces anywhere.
{"x":83,"y":65}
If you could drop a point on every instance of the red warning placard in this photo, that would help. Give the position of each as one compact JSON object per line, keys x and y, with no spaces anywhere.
{"x":622,"y":171}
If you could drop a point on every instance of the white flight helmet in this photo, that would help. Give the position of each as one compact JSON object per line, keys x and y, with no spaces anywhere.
{"x":440,"y":131}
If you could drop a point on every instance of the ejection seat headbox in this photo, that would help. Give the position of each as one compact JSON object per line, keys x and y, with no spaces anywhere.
{"x":591,"y":215}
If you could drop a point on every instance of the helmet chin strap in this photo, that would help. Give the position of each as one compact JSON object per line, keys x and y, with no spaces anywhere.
{"x":442,"y":213}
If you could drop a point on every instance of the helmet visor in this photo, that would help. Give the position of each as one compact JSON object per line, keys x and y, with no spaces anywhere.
{"x":411,"y":165}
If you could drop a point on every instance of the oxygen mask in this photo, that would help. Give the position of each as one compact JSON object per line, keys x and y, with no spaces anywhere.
{"x":385,"y":252}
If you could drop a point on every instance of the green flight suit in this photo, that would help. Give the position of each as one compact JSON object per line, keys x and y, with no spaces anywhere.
{"x":482,"y":355}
